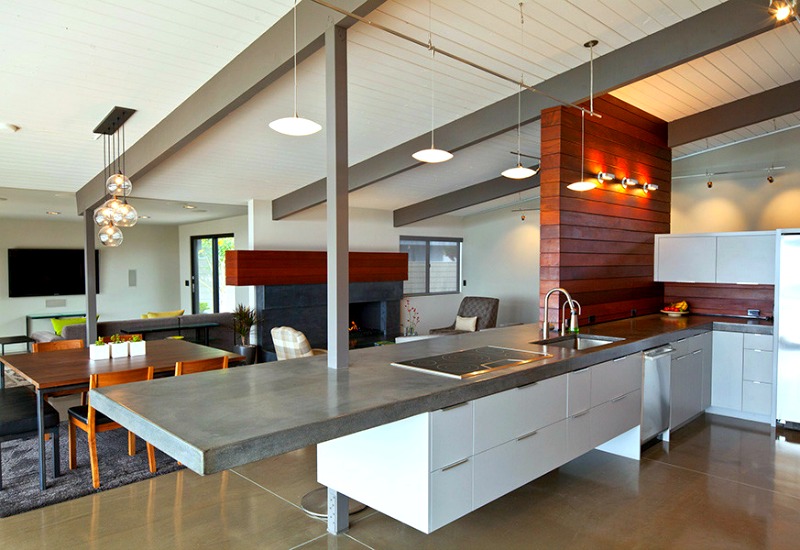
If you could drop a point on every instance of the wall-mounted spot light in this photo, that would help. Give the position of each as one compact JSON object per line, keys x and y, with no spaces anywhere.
{"x":605,"y":176}
{"x":629,"y":182}
{"x":650,"y":187}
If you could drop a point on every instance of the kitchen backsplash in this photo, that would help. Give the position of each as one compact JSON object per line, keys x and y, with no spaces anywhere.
{"x":722,"y":299}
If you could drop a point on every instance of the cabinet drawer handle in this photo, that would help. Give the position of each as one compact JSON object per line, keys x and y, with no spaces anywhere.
{"x":523,"y":386}
{"x":620,"y":398}
{"x":618,"y":359}
{"x":526,"y":436}
{"x":759,"y":350}
{"x":579,"y":371}
{"x":457,"y":405}
{"x":695,"y":352}
{"x":584,"y":413}
{"x":455,"y":464}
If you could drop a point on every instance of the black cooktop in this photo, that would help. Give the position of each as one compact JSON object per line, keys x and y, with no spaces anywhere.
{"x":472,"y":362}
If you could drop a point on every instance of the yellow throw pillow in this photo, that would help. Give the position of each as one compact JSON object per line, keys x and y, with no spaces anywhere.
{"x":466,"y":323}
{"x":59,"y":324}
{"x":160,"y":314}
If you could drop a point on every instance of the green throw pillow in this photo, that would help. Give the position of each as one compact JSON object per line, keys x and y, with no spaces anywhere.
{"x":59,"y":324}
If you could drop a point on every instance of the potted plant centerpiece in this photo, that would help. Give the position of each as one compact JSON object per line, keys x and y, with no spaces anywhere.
{"x":137,"y":346}
{"x":244,"y":318}
{"x":99,"y":350}
{"x":119,"y":347}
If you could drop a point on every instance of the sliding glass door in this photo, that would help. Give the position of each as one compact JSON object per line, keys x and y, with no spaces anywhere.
{"x":210,"y":294}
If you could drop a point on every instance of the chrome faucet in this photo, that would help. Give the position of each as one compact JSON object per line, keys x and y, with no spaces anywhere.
{"x":545,"y":323}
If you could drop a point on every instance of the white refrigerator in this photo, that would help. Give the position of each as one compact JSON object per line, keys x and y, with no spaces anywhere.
{"x":787,"y":328}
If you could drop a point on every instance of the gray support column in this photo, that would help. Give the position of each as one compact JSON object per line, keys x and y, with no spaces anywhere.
{"x":337,"y":203}
{"x":91,"y":269}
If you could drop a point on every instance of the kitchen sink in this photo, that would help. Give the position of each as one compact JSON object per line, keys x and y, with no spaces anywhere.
{"x":579,"y":341}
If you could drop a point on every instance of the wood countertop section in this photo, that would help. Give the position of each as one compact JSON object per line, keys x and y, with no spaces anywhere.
{"x":218,"y":420}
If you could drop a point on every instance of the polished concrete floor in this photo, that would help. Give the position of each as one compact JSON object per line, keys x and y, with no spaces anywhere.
{"x":722,"y":483}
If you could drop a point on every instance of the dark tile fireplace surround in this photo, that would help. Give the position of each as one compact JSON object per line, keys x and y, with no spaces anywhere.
{"x":374,"y":307}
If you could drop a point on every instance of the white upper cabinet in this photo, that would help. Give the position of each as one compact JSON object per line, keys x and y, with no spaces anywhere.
{"x":746,"y":258}
{"x":743,"y":258}
{"x":686,"y":258}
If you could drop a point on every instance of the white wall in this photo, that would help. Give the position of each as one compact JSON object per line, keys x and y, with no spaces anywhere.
{"x":370,"y":231}
{"x":501,"y":260}
{"x":148,"y":249}
{"x":739,"y":202}
{"x":236,"y":225}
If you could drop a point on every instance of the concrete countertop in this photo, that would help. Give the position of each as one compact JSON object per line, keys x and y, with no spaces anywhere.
{"x":218,"y":420}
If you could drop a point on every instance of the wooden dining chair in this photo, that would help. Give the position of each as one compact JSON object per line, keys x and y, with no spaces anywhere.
{"x":58,"y":345}
{"x":201,"y":365}
{"x":92,"y":422}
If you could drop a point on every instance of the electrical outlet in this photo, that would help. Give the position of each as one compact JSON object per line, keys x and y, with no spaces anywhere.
{"x":753,"y":312}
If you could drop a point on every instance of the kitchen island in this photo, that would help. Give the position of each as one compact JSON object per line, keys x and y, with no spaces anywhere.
{"x":218,"y":420}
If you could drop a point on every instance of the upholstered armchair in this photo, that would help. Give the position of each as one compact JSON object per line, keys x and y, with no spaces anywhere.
{"x":485,"y":309}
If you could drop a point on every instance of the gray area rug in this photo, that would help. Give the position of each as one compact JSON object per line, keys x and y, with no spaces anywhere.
{"x":20,"y":459}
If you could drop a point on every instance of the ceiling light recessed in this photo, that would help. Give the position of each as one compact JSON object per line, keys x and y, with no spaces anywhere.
{"x":145,"y":217}
{"x":189,"y":206}
{"x":9,"y":128}
{"x":53,"y":213}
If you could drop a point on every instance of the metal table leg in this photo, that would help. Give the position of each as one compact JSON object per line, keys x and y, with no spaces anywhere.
{"x":40,"y":424}
{"x":338,"y":514}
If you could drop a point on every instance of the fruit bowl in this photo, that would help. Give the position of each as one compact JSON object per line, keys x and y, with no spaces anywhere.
{"x":674,"y":313}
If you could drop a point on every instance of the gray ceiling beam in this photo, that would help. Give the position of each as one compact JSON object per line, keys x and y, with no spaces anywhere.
{"x":767,"y":105}
{"x":250,"y":72}
{"x":709,"y":31}
{"x":463,"y":198}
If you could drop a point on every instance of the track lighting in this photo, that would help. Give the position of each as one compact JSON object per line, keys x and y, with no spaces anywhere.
{"x":605,"y":176}
{"x":629,"y":182}
{"x":710,"y":184}
{"x":783,"y":9}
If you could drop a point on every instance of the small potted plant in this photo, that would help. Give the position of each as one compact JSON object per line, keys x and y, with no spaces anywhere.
{"x":118,"y":347}
{"x":244,"y":318}
{"x":99,"y":350}
{"x":137,"y":346}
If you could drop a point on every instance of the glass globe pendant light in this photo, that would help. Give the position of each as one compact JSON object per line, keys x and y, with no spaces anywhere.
{"x":125,"y":216}
{"x":119,"y":184}
{"x":295,"y":125}
{"x":110,"y":236}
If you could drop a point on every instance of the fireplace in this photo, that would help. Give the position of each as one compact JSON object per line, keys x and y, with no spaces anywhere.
{"x":374,"y":308}
{"x":291,"y":290}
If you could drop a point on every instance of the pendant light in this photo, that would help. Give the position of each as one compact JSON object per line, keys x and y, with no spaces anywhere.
{"x":432,"y":155}
{"x":586,"y":184}
{"x":520,"y":172}
{"x":115,"y":212}
{"x":295,"y":125}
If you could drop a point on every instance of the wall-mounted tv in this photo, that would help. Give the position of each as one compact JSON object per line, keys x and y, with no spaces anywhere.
{"x":47,"y":272}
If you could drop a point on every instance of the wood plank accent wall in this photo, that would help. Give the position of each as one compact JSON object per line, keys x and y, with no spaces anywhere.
{"x":722,"y":299}
{"x":292,"y":267}
{"x":599,"y":244}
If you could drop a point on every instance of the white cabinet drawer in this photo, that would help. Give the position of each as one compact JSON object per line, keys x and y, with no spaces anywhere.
{"x":686,"y":387}
{"x":758,"y":365}
{"x":758,"y":341}
{"x":615,"y":417}
{"x":756,"y":397}
{"x":502,"y":469}
{"x":579,"y":392}
{"x":451,"y":493}
{"x":726,"y":377}
{"x":451,"y":434}
{"x":614,"y":378}
{"x":579,"y":434}
{"x":507,"y":415}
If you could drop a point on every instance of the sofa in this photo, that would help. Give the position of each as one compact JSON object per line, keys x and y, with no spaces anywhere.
{"x":221,"y":337}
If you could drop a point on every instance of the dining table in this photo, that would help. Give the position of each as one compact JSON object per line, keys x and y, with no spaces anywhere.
{"x":66,"y":371}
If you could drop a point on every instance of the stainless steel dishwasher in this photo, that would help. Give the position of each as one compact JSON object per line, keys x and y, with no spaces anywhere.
{"x":655,"y":398}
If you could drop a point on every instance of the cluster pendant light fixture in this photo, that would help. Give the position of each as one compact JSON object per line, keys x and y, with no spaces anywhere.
{"x":115,"y":212}
{"x":295,"y":125}
{"x":586,"y":184}
{"x":432,"y":155}
{"x":520,"y":172}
